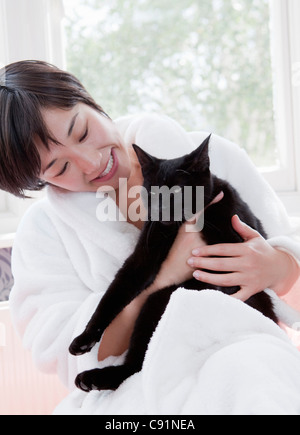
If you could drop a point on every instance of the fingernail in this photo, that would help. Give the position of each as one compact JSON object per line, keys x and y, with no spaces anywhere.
{"x":196,"y":274}
{"x":196,"y":252}
{"x":190,"y":261}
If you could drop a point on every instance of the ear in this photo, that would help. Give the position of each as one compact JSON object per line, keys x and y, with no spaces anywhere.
{"x":198,"y":160}
{"x":145,"y":159}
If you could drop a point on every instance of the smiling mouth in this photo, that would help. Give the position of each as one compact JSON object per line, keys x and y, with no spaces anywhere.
{"x":110,"y":168}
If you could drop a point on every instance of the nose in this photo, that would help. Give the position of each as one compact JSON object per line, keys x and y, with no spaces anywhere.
{"x":89,"y":161}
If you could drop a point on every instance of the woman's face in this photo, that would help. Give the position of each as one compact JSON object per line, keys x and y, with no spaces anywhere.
{"x":92,"y":154}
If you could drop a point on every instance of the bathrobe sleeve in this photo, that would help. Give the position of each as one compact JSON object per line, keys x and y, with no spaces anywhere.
{"x":49,"y":303}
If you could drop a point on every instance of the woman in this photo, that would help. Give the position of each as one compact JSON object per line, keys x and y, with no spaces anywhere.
{"x":53,"y":133}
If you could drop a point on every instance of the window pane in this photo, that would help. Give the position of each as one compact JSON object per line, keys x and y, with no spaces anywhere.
{"x":205,"y":63}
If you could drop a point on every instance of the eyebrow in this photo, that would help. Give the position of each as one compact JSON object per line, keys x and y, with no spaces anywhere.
{"x":73,"y":120}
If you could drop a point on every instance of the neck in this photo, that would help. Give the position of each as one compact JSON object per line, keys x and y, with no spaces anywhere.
{"x":135,"y":179}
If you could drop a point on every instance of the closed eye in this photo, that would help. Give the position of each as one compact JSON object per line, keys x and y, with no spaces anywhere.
{"x":63,"y":170}
{"x":84,"y":135}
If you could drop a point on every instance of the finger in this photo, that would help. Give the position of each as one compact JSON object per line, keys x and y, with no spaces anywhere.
{"x":220,"y":250}
{"x":246,"y":232}
{"x":244,"y":294}
{"x":215,"y":264}
{"x":223,"y":280}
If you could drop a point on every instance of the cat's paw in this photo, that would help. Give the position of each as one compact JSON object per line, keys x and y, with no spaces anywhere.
{"x":108,"y":378}
{"x":83,"y":344}
{"x":84,"y":381}
{"x":97,"y":379}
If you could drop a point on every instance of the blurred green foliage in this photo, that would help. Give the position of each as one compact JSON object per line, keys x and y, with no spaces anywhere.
{"x":205,"y":63}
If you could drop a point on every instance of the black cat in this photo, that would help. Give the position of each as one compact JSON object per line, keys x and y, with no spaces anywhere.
{"x":156,"y":239}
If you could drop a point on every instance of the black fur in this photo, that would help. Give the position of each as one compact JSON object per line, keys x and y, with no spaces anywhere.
{"x":156,"y":239}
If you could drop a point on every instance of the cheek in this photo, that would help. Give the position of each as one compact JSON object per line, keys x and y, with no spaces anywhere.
{"x":104,"y":132}
{"x":124,"y":168}
{"x":71,"y":181}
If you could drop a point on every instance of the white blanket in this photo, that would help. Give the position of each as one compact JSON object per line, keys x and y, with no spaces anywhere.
{"x":64,"y":260}
{"x":210,"y":354}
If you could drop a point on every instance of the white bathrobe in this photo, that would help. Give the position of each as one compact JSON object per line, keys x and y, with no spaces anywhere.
{"x":210,"y":352}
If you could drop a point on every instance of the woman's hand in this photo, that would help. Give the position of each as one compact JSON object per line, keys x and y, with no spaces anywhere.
{"x":253,"y":265}
{"x":175,"y":268}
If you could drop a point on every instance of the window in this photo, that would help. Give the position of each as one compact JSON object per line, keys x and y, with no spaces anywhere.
{"x":286,"y":56}
{"x":205,"y":63}
{"x":227,"y":66}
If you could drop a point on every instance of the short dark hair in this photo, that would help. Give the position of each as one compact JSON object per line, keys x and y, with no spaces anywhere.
{"x":26,"y":87}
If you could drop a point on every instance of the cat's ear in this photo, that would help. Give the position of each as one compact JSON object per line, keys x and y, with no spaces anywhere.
{"x":198,"y":160}
{"x":145,"y":159}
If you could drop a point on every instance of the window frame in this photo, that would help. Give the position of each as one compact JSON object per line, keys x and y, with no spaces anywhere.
{"x":285,"y":36}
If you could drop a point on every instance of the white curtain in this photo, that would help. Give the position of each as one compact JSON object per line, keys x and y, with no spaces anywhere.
{"x":29,"y":29}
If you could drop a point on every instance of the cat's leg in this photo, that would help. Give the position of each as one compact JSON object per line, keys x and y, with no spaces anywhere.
{"x":128,"y":283}
{"x":137,"y":274}
{"x":109,"y":378}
